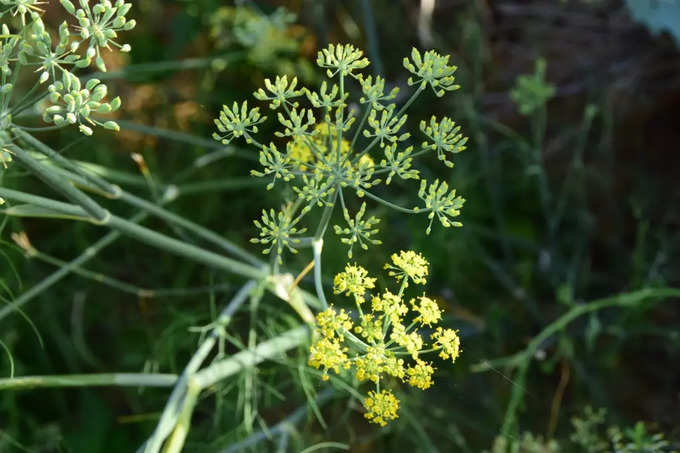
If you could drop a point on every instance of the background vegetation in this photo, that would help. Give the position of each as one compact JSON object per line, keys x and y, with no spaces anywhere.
{"x":571,"y":177}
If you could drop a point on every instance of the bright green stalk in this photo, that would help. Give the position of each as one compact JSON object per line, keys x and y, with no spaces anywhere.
{"x":179,"y":434}
{"x":249,"y":358}
{"x":173,"y":406}
{"x":317,"y":245}
{"x":88,"y":380}
{"x":174,"y":219}
{"x":394,"y":206}
{"x":360,"y":126}
{"x":145,"y":235}
{"x":413,"y":97}
{"x":90,"y":207}
{"x":111,"y":190}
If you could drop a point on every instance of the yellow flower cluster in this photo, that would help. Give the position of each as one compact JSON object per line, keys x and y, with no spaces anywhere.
{"x":353,"y":281}
{"x":408,"y":265}
{"x":381,"y":407}
{"x":386,"y":338}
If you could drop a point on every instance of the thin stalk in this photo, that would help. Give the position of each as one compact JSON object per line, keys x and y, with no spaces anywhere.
{"x":25,"y":97}
{"x":360,"y":126}
{"x":523,"y":359}
{"x":171,"y":65}
{"x":317,"y":246}
{"x":48,"y":176}
{"x":394,"y":206}
{"x":181,"y":137}
{"x":174,"y":404}
{"x":318,"y":282}
{"x":342,"y":117}
{"x":249,"y":358}
{"x":55,"y":277}
{"x":124,"y":286}
{"x":102,"y":184}
{"x":179,"y":434}
{"x":413,"y":97}
{"x":147,"y":236}
{"x":175,"y":220}
{"x":88,"y":380}
{"x":221,"y":370}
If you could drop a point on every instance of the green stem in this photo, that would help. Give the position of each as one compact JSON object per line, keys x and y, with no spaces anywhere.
{"x":249,"y":358}
{"x":174,"y":219}
{"x":110,"y":189}
{"x":55,"y":277}
{"x":173,"y":406}
{"x":145,"y":235}
{"x":360,"y":126}
{"x":65,"y":188}
{"x":317,"y":245}
{"x":89,"y":380}
{"x":413,"y":97}
{"x":522,"y":360}
{"x":392,"y":205}
{"x":123,"y":286}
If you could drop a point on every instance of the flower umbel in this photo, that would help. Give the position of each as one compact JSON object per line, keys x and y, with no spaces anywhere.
{"x":332,"y":150}
{"x":381,"y":407}
{"x":237,"y":121}
{"x":354,"y":281}
{"x":409,"y":265}
{"x":277,"y":232}
{"x":441,"y":203}
{"x":384,"y":341}
{"x":431,"y":69}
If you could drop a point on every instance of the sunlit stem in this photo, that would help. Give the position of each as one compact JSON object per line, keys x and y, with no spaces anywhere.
{"x":89,"y":380}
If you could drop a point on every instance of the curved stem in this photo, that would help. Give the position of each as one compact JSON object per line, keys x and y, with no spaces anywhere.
{"x":392,"y":205}
{"x":523,"y":359}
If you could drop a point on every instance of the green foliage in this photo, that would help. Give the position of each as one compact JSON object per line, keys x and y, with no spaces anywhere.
{"x":531,"y":92}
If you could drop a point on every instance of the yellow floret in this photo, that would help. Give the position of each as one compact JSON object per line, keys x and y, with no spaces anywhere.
{"x":449,"y":343}
{"x":391,"y":304}
{"x":328,"y":354}
{"x":370,"y":328}
{"x":381,"y":407}
{"x":331,"y":322}
{"x":353,"y":281}
{"x":413,"y":342}
{"x":428,"y":309}
{"x":420,"y":375}
{"x":409,"y":265}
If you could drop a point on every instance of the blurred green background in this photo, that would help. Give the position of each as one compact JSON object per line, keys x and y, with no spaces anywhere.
{"x":572,"y":181}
